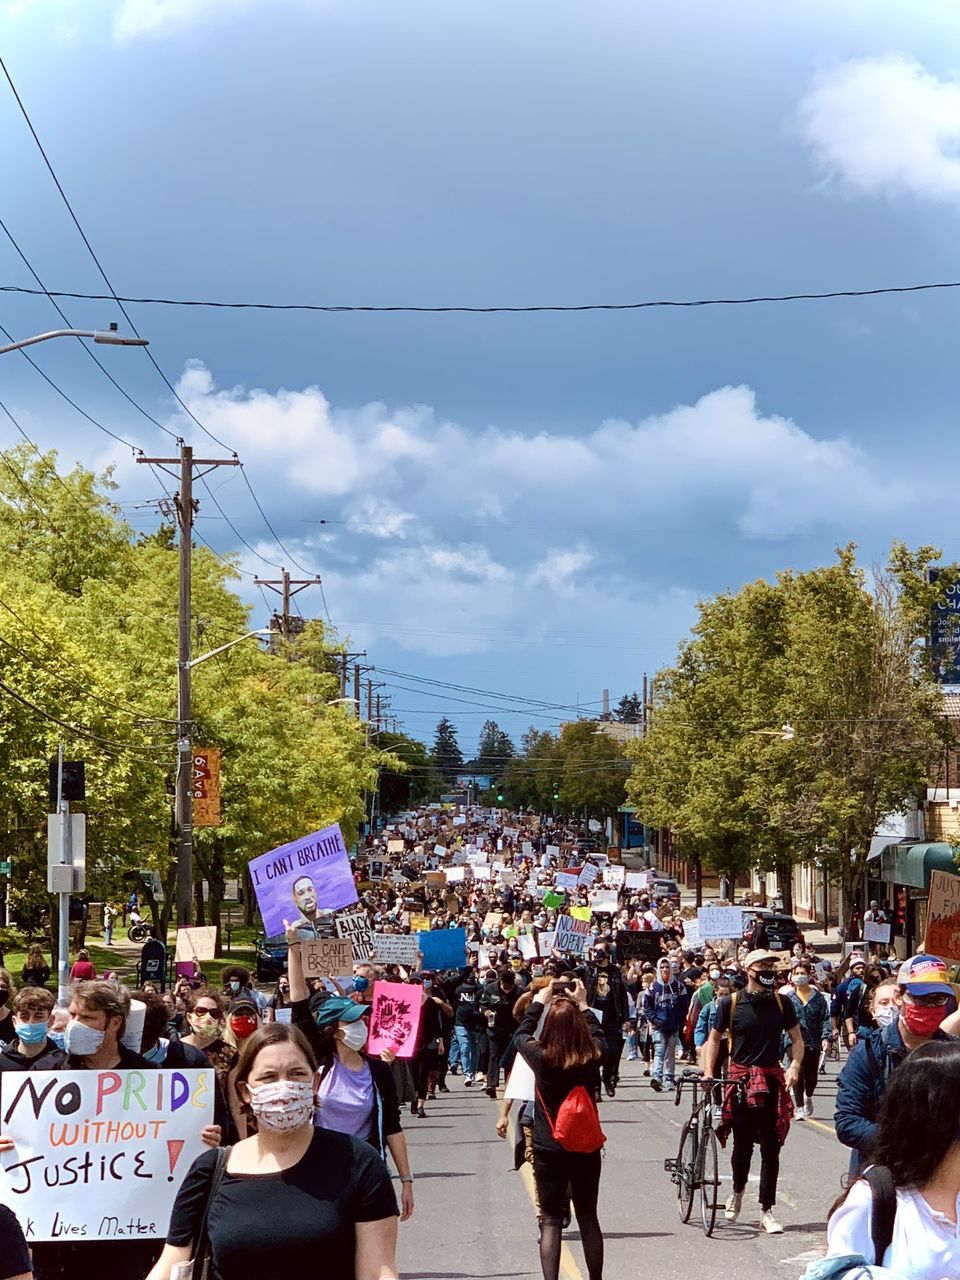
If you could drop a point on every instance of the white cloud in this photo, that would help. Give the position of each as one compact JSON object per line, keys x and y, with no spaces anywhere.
{"x":886,"y":125}
{"x":379,"y":518}
{"x":138,"y":18}
{"x":558,"y":569}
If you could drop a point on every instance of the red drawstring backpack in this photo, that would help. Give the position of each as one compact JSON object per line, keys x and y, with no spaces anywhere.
{"x":577,"y":1124}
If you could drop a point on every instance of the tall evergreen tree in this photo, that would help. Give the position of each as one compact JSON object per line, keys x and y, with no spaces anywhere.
{"x":629,"y":710}
{"x":446,"y":755}
{"x":495,"y":749}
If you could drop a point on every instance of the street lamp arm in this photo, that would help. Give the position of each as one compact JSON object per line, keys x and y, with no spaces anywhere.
{"x":261,"y":631}
{"x":109,"y":337}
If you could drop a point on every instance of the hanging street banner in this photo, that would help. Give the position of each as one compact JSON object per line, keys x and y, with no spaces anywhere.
{"x":945,"y":635}
{"x":206,"y":786}
{"x":301,"y":878}
{"x":100,"y":1155}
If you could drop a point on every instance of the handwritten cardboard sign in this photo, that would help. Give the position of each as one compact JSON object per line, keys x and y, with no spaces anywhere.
{"x":299,"y":879}
{"x":327,"y":958}
{"x":396,"y":948}
{"x":198,"y":941}
{"x":943,"y":916}
{"x":100,"y":1155}
{"x":394,"y":1018}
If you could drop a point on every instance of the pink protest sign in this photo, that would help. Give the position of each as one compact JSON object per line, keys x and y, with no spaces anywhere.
{"x":395,"y":1018}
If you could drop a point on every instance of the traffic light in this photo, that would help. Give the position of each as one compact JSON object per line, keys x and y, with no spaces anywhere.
{"x":500,"y":797}
{"x":556,"y":791}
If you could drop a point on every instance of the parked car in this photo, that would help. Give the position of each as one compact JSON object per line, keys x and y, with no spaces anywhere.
{"x":666,"y":891}
{"x":271,"y":957}
{"x":783,"y":932}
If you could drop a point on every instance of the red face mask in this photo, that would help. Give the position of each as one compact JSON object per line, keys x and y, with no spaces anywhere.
{"x":243,"y":1026}
{"x":923,"y":1020}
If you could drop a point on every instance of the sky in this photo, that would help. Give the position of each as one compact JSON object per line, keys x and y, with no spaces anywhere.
{"x":525,"y":505}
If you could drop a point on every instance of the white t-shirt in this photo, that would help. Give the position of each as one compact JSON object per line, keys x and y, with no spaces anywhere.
{"x":925,"y":1246}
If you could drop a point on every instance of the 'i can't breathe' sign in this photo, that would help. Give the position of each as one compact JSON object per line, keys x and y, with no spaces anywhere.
{"x":301,"y":878}
{"x":100,"y":1155}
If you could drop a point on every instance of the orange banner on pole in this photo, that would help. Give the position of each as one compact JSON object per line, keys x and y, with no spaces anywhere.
{"x":206,"y":786}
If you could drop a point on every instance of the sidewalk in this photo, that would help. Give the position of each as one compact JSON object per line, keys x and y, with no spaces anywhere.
{"x":827,"y":945}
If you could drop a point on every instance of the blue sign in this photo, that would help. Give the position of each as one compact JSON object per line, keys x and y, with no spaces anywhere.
{"x":945,"y":635}
{"x":443,"y":949}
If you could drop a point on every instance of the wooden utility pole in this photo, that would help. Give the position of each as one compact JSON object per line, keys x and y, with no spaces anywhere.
{"x":186,"y":507}
{"x":282,"y":587}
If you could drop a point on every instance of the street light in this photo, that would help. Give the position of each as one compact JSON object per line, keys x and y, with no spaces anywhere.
{"x":109,"y":337}
{"x":184,"y":789}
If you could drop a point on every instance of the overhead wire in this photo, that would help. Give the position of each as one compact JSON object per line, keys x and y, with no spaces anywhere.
{"x":81,"y":730}
{"x":503,"y":308}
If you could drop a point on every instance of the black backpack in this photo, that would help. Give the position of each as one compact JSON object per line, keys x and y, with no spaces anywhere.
{"x":884,"y":1211}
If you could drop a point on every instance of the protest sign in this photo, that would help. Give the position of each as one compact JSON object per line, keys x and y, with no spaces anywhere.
{"x":588,"y":873}
{"x":419,"y":924}
{"x":546,"y":942}
{"x":100,"y":1155}
{"x":443,"y":948}
{"x":396,"y":948}
{"x":327,"y":957}
{"x":553,"y":851}
{"x":639,"y":879}
{"x":943,"y":916}
{"x":521,"y":1084}
{"x":527,"y":849}
{"x":482,"y":872}
{"x":720,"y":922}
{"x":198,"y":942}
{"x":581,"y":913}
{"x":377,"y":868}
{"x":296,"y":880}
{"x":874,"y":932}
{"x":638,"y":944}
{"x":593,"y":825}
{"x":460,"y":821}
{"x":691,"y":933}
{"x":483,"y":959}
{"x":566,"y":881}
{"x":456,"y":874}
{"x":493,"y":920}
{"x":394,"y":1018}
{"x":604,"y":902}
{"x":551,"y":899}
{"x":435,"y":880}
{"x":355,"y":926}
{"x":396,"y":846}
{"x":571,"y":935}
{"x":528,"y":946}
{"x":614,"y":875}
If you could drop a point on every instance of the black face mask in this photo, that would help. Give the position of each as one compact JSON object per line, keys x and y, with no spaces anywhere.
{"x":4,"y":996}
{"x":766,"y":979}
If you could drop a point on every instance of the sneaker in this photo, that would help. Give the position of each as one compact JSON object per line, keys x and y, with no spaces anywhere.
{"x":454,"y":1070}
{"x":669,"y":1085}
{"x":479,"y":1078}
{"x":632,"y":1057}
{"x":808,"y":1108}
{"x":646,"y":1071}
{"x":490,"y":1092}
{"x":421,"y":1113}
{"x":769,"y":1224}
{"x":611,"y":1091}
{"x":467,"y":1082}
{"x":731,"y":1210}
{"x":443,"y":1088}
{"x":656,"y":1085}
{"x":431,"y":1097}
{"x":798,"y":1112}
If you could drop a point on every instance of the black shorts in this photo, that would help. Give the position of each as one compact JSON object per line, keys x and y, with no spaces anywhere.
{"x":562,"y":1175}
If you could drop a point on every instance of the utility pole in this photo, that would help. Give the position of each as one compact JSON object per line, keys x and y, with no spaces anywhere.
{"x":282,"y":587}
{"x":185,"y":509}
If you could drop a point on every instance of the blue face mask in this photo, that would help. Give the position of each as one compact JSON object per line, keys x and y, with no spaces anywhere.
{"x":361,"y":984}
{"x":159,"y":1051}
{"x":31,"y":1032}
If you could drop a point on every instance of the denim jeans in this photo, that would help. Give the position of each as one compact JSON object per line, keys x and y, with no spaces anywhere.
{"x":467,"y":1046}
{"x":664,"y":1056}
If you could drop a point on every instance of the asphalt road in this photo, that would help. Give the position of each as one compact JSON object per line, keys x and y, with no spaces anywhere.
{"x":474,"y":1217}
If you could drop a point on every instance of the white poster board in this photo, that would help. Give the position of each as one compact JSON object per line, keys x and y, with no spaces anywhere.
{"x":639,"y":879}
{"x":614,"y":875}
{"x":691,"y":933}
{"x":396,"y":948}
{"x":522,"y":1085}
{"x":873,"y":932}
{"x":588,"y":873}
{"x":720,"y":922}
{"x":97,"y":1150}
{"x":528,"y":946}
{"x":198,"y":941}
{"x":566,"y":880}
{"x":604,"y":902}
{"x":571,"y":935}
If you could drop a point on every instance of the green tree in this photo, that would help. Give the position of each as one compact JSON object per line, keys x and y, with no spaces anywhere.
{"x":495,"y":750}
{"x":629,"y":710}
{"x":446,"y":755}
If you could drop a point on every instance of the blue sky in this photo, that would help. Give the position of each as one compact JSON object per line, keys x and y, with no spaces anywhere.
{"x":524,"y":504}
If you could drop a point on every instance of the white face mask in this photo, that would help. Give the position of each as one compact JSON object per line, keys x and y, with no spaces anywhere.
{"x":714,"y":974}
{"x":354,"y":1034}
{"x":81,"y":1041}
{"x":284,"y":1105}
{"x":886,"y":1014}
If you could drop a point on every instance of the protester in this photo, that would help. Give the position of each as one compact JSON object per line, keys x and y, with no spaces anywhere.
{"x":496,"y":1004}
{"x":14,"y":1255}
{"x":902,"y":1213}
{"x":36,"y":972}
{"x":7,"y":1033}
{"x":293,"y":1196}
{"x":922,"y":1000}
{"x":757,"y":1105}
{"x":32,"y":1049}
{"x":664,"y":1008}
{"x":82,"y":970}
{"x":565,"y":1060}
{"x":813,"y":1019}
{"x":607,"y":996}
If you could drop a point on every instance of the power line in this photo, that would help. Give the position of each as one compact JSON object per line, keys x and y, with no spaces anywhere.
{"x":499,"y":309}
{"x":80,"y":730}
{"x":491,"y":693}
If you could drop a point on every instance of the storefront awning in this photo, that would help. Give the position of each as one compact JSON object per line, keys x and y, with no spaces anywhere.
{"x":911,"y":864}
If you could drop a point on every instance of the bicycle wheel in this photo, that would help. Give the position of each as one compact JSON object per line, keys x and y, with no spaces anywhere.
{"x":709,"y":1179}
{"x":686,"y":1165}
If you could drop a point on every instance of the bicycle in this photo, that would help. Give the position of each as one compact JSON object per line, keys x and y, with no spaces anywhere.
{"x":697,"y":1166}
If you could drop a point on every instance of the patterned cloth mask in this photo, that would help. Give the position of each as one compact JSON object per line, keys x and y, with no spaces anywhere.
{"x":284,"y":1105}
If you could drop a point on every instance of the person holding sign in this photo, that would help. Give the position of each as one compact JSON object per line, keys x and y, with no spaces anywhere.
{"x":293,"y":1195}
{"x":14,"y":1254}
{"x":356,"y":1093}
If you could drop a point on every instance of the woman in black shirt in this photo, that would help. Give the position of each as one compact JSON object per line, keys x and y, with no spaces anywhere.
{"x":291,"y":1194}
{"x":568,"y":1054}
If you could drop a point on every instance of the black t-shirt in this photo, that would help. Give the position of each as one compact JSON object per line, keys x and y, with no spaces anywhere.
{"x":759,"y":1022}
{"x":14,"y":1257}
{"x":281,"y":1223}
{"x":466,"y":998}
